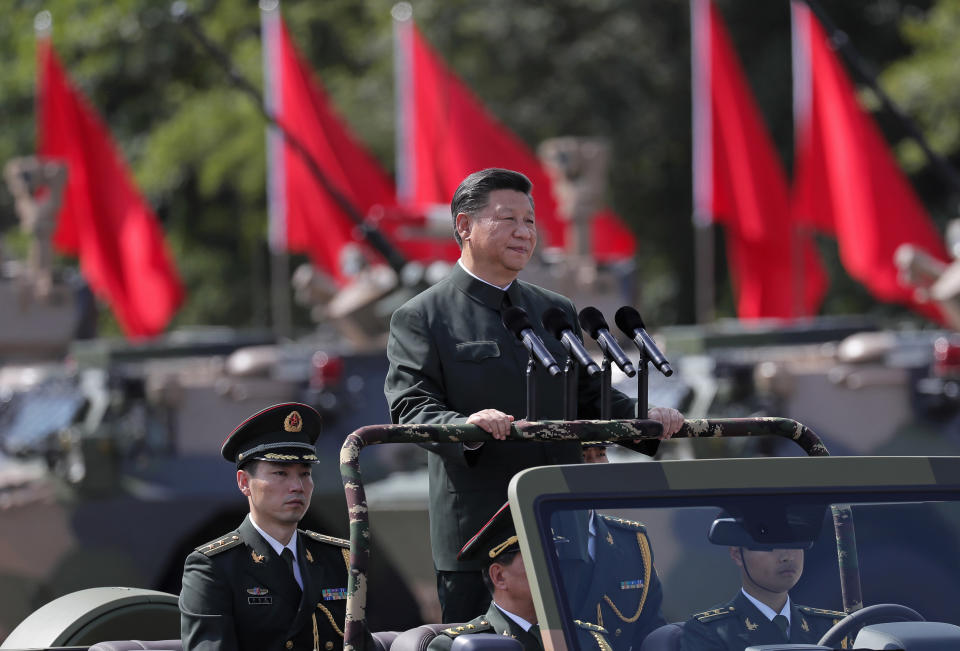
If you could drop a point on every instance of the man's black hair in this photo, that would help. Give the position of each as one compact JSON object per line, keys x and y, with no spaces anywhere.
{"x":473,"y":193}
{"x":503,"y":559}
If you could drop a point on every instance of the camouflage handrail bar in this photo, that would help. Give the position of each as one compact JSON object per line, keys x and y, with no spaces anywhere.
{"x":583,"y":430}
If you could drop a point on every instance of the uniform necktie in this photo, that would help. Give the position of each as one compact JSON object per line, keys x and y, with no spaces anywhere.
{"x":287,"y":556}
{"x":505,"y":302}
{"x":534,"y":630}
{"x":782,"y":623}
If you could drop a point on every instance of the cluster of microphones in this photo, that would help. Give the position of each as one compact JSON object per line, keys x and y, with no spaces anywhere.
{"x":591,"y":320}
{"x":555,"y":322}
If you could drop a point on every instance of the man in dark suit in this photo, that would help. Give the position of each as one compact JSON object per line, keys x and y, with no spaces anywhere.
{"x":762,"y":612}
{"x":511,"y":612}
{"x":453,"y":362}
{"x":268,"y":584}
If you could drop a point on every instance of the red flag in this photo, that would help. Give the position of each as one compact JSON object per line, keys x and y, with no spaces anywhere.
{"x":449,"y":134}
{"x":304,"y":215}
{"x":847,"y":182}
{"x":104,"y":220}
{"x":739,"y":181}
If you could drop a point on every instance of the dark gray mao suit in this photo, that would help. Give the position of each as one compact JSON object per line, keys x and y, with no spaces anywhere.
{"x":450,"y":356}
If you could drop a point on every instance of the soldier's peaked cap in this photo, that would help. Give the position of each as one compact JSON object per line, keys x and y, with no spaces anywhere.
{"x":496,"y":537}
{"x":284,"y":433}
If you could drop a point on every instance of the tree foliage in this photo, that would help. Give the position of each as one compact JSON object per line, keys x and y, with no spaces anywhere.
{"x":611,"y":68}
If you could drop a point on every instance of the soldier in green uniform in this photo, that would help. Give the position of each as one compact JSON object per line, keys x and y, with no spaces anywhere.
{"x":511,"y":612}
{"x":762,"y":612}
{"x":453,"y":361}
{"x":268,"y":584}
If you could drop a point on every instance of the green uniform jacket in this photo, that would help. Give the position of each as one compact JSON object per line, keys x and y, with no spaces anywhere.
{"x":739,"y":624}
{"x":238,"y":593}
{"x":450,"y":356}
{"x":590,"y":636}
{"x":619,"y":590}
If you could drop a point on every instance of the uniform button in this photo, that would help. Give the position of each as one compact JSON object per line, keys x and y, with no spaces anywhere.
{"x":617,"y":632}
{"x":289,"y":644}
{"x":328,"y":645}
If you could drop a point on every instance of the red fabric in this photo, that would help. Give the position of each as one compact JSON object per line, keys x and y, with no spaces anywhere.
{"x":451,"y":134}
{"x":315,"y":222}
{"x":847,"y":182}
{"x":104,"y":221}
{"x":748,"y":188}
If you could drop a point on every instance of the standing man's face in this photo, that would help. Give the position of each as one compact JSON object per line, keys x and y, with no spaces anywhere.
{"x":279,"y":493}
{"x":499,"y":240}
{"x":775,"y":571}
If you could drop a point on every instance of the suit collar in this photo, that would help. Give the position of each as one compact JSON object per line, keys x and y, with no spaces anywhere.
{"x":483,"y":292}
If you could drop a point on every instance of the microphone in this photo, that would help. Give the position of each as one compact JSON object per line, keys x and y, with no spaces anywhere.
{"x":593,"y":322}
{"x":515,"y":320}
{"x":555,"y":322}
{"x":630,"y":321}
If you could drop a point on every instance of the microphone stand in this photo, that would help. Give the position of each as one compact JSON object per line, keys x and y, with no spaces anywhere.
{"x":643,"y":373}
{"x":605,"y":394}
{"x":570,"y":389}
{"x":531,"y":389}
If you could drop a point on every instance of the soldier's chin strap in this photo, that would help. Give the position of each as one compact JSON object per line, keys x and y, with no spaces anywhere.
{"x":747,"y":570}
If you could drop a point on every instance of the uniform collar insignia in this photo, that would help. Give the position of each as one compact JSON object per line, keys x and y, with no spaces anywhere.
{"x":257,"y":558}
{"x":750,"y":625}
{"x":610,"y":539}
{"x":309,"y":556}
{"x":804,"y":625}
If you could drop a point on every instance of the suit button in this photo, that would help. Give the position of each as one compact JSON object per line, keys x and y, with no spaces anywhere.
{"x":328,"y":645}
{"x":289,"y":644}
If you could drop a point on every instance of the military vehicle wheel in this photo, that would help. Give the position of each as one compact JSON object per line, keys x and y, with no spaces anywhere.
{"x":874,"y":614}
{"x":94,"y":615}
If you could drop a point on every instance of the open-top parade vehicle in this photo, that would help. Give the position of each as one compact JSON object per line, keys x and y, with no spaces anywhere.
{"x":881,"y":535}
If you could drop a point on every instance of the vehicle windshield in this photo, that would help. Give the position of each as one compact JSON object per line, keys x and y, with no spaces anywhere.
{"x":611,"y":543}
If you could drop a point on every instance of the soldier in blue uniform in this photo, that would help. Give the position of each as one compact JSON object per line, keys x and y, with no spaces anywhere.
{"x":268,"y":584}
{"x":762,"y":612}
{"x":511,"y":612}
{"x":608,"y":574}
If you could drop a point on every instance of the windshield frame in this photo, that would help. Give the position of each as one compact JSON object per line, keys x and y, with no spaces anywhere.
{"x":537,"y":493}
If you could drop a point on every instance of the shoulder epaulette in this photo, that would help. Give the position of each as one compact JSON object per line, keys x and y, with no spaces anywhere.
{"x":479,"y":627}
{"x":633,"y":525}
{"x":590,"y":627}
{"x":221,"y":544}
{"x":714,"y":614}
{"x":807,"y":610}
{"x":329,"y":540}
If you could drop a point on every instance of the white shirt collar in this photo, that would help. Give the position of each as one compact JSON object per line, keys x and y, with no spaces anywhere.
{"x":473,"y":275}
{"x":273,"y":542}
{"x":524,"y":624}
{"x":767,"y":611}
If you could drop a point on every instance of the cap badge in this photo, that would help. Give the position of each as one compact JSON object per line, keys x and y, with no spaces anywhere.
{"x":293,"y":422}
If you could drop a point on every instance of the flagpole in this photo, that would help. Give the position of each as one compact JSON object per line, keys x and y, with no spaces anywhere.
{"x":842,"y":42}
{"x":280,"y":305}
{"x":402,"y":14}
{"x":395,"y":259}
{"x":703,"y":237}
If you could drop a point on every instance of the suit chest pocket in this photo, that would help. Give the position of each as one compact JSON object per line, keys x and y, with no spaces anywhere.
{"x":477,"y":351}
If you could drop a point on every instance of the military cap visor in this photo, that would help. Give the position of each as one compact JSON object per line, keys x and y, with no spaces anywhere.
{"x":496,"y":537}
{"x":284,"y":433}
